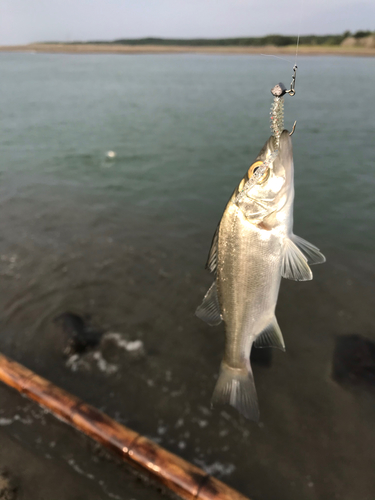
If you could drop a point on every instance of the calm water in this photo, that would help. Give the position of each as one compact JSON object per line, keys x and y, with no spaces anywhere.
{"x":125,"y":241}
{"x":184,"y":129}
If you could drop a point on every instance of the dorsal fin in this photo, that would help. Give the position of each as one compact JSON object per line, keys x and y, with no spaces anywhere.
{"x":271,"y":336}
{"x":211,"y":264}
{"x":209,"y":310}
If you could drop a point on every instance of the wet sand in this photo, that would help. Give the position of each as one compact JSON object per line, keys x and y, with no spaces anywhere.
{"x":163,"y":49}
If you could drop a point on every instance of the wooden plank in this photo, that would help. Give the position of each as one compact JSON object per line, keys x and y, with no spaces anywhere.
{"x":173,"y":472}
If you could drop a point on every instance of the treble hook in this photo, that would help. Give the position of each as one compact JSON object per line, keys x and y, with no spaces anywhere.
{"x":292,"y":91}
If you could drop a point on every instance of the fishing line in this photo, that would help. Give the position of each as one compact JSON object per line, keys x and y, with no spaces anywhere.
{"x":299,"y":28}
{"x":298,"y":39}
{"x":277,"y":57}
{"x":297,"y":46}
{"x":277,"y":120}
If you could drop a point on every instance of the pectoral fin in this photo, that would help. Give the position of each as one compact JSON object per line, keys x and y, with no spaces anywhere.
{"x":271,"y":336}
{"x":294,"y":264}
{"x":310,"y":251}
{"x":209,"y":310}
{"x":211,"y":264}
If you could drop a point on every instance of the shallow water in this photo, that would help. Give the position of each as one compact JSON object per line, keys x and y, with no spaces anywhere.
{"x":124,"y":243}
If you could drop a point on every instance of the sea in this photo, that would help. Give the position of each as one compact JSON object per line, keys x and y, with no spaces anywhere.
{"x":121,"y":240}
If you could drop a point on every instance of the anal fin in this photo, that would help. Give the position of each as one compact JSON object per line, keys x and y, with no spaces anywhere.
{"x":271,"y":336}
{"x":209,"y":310}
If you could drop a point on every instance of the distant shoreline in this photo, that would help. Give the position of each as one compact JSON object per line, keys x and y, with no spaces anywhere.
{"x":181,"y":49}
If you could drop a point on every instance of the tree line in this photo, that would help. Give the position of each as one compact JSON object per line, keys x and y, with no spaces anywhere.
{"x":276,"y":40}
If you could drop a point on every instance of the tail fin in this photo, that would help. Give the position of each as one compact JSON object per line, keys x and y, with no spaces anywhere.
{"x":236,"y":387}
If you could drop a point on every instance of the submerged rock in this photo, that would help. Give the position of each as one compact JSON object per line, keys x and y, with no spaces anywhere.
{"x":354,"y":361}
{"x":8,"y":488}
{"x":81,"y":336}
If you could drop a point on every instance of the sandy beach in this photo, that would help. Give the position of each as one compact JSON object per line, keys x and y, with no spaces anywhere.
{"x":176,"y":49}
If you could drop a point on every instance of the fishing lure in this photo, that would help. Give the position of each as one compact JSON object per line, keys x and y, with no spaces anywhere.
{"x":277,"y":126}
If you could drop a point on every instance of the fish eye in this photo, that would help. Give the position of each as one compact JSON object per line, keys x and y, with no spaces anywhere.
{"x":254,"y":167}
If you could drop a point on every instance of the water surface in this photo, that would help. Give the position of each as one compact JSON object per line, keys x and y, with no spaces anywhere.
{"x":124,"y":242}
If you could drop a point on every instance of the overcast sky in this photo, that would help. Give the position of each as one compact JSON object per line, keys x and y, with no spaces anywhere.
{"x":24,"y":21}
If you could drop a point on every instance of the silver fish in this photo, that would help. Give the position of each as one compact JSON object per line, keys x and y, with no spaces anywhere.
{"x":253,"y":247}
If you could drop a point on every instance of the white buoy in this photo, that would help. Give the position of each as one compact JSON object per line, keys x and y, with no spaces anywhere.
{"x":110,"y":155}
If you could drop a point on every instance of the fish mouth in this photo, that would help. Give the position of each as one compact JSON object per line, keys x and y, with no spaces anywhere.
{"x":280,"y":163}
{"x":285,"y":146}
{"x":285,"y":150}
{"x":283,"y":161}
